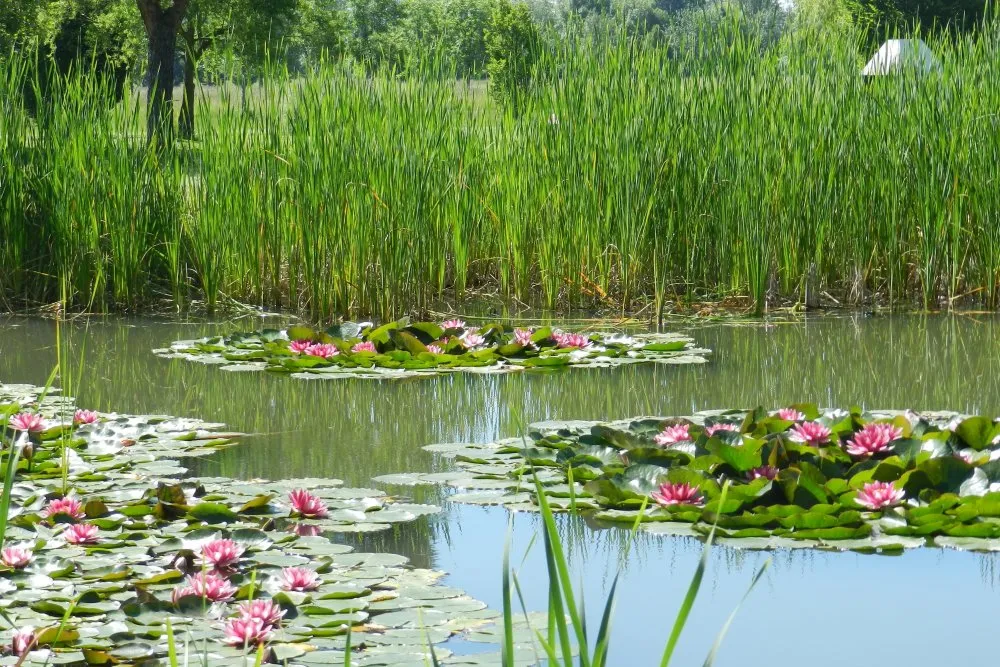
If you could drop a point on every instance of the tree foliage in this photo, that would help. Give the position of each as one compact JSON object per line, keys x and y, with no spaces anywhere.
{"x":511,"y":48}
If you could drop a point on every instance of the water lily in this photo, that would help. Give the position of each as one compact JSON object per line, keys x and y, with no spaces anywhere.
{"x":16,"y":557}
{"x":221,"y":554}
{"x":298,"y":579}
{"x":322,"y":350}
{"x":678,"y":494}
{"x":720,"y":427}
{"x":245,"y":632}
{"x":31,"y":422}
{"x":210,"y":586}
{"x":299,"y":346}
{"x":266,"y":611}
{"x":71,"y":508}
{"x":453,"y":324}
{"x":472,"y":339}
{"x":566,"y":340}
{"x":435,"y":349}
{"x":523,"y":337}
{"x":768,"y":472}
{"x":81,"y":417}
{"x":366,"y":346}
{"x":877,"y":495}
{"x":810,"y":433}
{"x":672,"y":435}
{"x":306,"y":505}
{"x":81,"y":533}
{"x":790,"y":414}
{"x":873,"y":438}
{"x":23,"y":640}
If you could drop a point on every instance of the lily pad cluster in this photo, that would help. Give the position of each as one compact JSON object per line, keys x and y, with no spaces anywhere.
{"x":405,"y":349}
{"x":798,"y":477}
{"x":106,"y":541}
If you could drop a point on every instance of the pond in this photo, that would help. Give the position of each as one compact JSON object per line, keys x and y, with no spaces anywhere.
{"x":814,"y":608}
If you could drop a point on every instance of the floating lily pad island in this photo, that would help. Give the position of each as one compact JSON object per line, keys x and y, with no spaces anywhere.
{"x":404,"y":349}
{"x":107,"y":541}
{"x":798,"y":477}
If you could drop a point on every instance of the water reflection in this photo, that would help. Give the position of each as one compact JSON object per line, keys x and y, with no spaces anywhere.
{"x":850,"y":605}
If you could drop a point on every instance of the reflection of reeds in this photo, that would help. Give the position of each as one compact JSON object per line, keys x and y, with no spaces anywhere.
{"x":719,"y":167}
{"x":358,"y":429}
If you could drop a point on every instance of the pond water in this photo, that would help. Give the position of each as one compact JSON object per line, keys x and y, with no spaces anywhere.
{"x":811,"y":608}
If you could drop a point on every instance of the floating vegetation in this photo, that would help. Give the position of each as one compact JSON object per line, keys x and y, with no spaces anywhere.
{"x":800,"y":476}
{"x":104,"y":544}
{"x":405,"y":349}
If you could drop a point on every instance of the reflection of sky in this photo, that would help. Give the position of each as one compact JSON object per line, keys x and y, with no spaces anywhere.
{"x":926,"y":607}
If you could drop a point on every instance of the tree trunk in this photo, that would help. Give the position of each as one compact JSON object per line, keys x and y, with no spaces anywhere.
{"x":161,"y":32}
{"x":186,"y":121}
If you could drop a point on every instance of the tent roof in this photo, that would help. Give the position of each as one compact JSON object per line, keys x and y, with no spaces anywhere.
{"x":898,"y":54}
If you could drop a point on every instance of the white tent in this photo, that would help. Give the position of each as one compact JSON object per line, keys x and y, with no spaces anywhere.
{"x":898,"y":55}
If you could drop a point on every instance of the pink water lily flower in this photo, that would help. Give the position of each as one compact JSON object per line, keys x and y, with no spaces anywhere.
{"x":810,"y":433}
{"x":71,"y":508}
{"x":299,"y":346}
{"x":567,"y":340}
{"x":768,"y":472}
{"x":266,"y":611}
{"x":23,"y":640}
{"x":245,"y":632}
{"x":322,"y":350}
{"x":16,"y":557}
{"x":790,"y":414}
{"x":210,"y":586}
{"x":81,"y":533}
{"x":523,"y":337}
{"x":720,"y":427}
{"x":366,"y":346}
{"x":873,"y":438}
{"x":306,"y":505}
{"x":471,"y":339}
{"x":877,"y":495}
{"x":31,"y":422}
{"x":678,"y":494}
{"x":221,"y":554}
{"x":81,"y":417}
{"x":435,"y":349}
{"x":298,"y":579}
{"x":453,"y":324}
{"x":672,"y":435}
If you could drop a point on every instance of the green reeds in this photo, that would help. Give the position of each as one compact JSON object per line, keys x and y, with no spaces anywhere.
{"x":635,"y":172}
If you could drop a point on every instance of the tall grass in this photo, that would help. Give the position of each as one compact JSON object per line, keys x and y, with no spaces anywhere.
{"x":635,"y":172}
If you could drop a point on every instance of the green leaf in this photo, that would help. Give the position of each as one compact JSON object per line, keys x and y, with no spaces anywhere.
{"x":213,"y":513}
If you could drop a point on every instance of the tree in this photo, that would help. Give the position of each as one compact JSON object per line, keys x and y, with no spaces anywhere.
{"x":511,"y":48}
{"x":162,"y":23}
{"x":249,"y":26}
{"x":896,"y":16}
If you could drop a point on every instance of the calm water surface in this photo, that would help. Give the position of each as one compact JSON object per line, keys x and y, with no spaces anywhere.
{"x":811,"y":609}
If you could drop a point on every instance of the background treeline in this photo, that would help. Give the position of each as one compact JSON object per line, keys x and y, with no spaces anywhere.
{"x":109,"y":33}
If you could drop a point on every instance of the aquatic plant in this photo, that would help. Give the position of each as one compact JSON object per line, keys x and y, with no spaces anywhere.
{"x":931,"y":476}
{"x":404,"y":348}
{"x":298,"y":579}
{"x":81,"y":417}
{"x":306,"y":505}
{"x":872,"y":439}
{"x":161,"y":548}
{"x":672,"y":435}
{"x":670,"y":493}
{"x":27,"y":421}
{"x":879,"y":495}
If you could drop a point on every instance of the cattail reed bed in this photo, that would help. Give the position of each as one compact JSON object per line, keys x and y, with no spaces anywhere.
{"x":633,"y":172}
